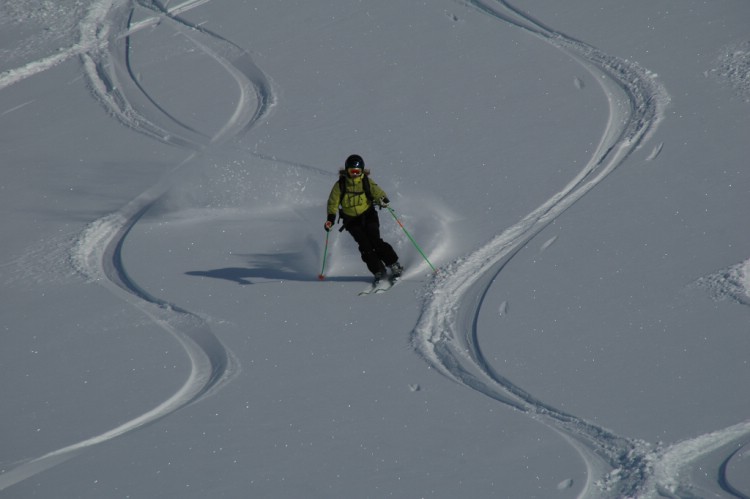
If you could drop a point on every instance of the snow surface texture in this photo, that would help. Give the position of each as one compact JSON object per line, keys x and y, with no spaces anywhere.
{"x":184,"y":86}
{"x":734,"y":68}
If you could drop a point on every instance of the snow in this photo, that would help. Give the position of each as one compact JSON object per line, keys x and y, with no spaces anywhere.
{"x":576,"y":172}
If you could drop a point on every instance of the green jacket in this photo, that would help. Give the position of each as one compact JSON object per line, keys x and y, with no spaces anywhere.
{"x":354,"y":202}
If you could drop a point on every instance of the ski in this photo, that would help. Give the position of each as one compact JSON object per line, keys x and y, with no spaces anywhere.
{"x":375,"y":287}
{"x":381,"y":287}
{"x":389,"y":283}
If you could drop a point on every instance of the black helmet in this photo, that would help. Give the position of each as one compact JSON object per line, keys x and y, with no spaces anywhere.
{"x":354,"y":161}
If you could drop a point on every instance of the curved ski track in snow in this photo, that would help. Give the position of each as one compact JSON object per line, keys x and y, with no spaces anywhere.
{"x":111,"y":88}
{"x":98,"y":253}
{"x":447,"y":336}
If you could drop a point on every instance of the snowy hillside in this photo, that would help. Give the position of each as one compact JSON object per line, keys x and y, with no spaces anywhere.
{"x":576,"y":171}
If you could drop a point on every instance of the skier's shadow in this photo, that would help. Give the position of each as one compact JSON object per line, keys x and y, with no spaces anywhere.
{"x":269,"y":267}
{"x":243,"y":275}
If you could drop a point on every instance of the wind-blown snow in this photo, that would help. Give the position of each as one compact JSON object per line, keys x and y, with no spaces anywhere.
{"x":502,"y":124}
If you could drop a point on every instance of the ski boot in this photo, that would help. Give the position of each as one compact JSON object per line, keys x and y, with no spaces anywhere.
{"x":396,"y":270}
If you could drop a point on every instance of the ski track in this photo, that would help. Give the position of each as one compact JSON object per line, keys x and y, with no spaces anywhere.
{"x":446,"y":335}
{"x":104,"y":50}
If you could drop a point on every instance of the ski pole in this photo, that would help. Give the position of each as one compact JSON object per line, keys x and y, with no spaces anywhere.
{"x":322,"y":276}
{"x":411,"y":238}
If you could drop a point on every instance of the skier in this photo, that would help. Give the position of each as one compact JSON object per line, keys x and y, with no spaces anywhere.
{"x":354,"y":197}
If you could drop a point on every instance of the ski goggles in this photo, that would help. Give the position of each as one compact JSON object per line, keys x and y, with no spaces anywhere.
{"x":354,"y":172}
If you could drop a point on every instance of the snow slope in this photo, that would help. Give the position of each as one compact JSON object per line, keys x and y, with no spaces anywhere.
{"x":577,"y":172}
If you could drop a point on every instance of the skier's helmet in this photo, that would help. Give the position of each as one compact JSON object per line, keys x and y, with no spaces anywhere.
{"x":355,"y":161}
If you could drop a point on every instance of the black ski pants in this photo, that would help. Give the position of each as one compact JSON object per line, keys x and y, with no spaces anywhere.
{"x":365,"y":229}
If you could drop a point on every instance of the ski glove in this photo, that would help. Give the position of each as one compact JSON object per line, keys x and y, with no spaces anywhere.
{"x":329,"y":223}
{"x":383,"y":202}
